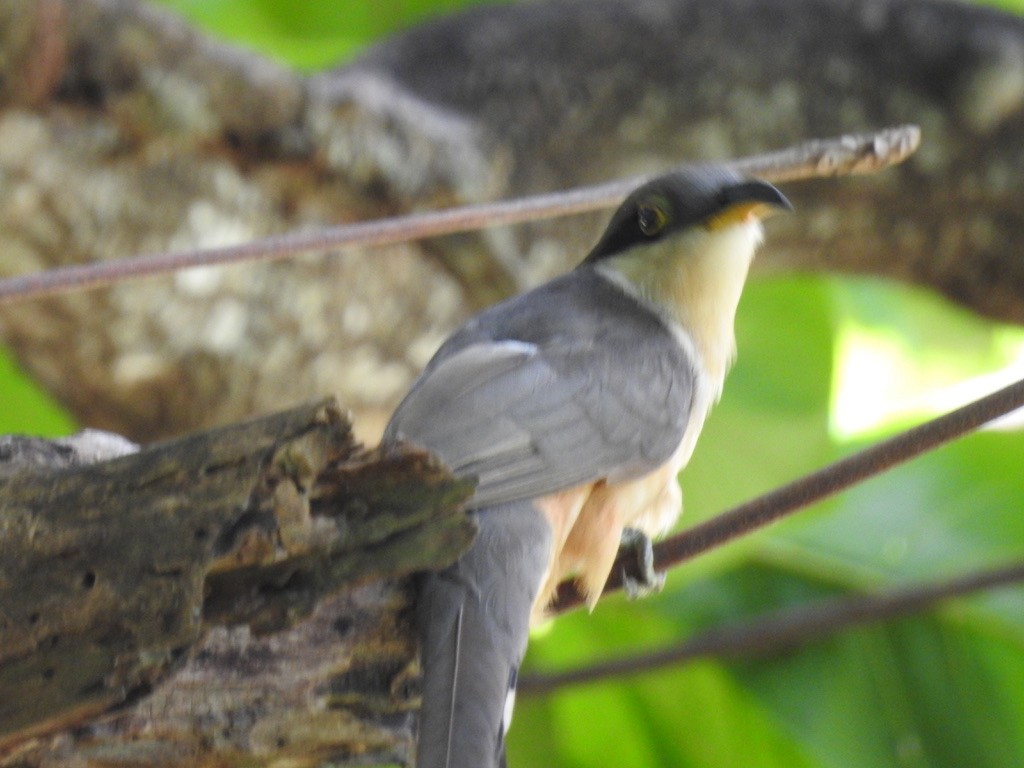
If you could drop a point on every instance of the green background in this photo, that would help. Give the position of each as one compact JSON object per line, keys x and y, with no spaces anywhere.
{"x":945,"y":689}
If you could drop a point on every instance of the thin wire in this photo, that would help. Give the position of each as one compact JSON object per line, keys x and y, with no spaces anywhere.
{"x":864,"y":153}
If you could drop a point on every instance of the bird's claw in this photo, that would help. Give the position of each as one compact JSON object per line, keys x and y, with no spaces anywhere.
{"x":639,"y":579}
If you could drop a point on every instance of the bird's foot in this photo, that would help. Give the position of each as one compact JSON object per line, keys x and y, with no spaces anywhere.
{"x":639,"y":578}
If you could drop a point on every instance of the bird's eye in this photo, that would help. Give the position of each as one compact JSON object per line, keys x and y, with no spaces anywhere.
{"x":651,"y":218}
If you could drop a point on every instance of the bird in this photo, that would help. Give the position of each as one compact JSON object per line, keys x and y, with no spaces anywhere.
{"x":573,"y":406}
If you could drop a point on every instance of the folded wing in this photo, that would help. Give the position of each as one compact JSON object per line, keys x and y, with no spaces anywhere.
{"x":531,"y":398}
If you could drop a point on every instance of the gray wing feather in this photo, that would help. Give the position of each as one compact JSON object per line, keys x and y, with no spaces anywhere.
{"x":532,"y":399}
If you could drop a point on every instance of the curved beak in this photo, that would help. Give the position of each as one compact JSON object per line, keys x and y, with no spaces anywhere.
{"x":752,"y":199}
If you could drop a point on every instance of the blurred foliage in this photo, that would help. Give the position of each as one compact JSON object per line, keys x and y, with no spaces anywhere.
{"x":944,"y":689}
{"x":27,"y":409}
{"x":904,"y":355}
{"x":310,"y":35}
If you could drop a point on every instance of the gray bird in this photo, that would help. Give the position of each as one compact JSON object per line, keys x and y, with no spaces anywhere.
{"x":574,"y":406}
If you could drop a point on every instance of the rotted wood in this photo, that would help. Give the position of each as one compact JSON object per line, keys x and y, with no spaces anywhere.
{"x":229,"y":595}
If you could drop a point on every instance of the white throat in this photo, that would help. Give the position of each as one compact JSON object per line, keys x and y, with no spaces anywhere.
{"x":696,"y":279}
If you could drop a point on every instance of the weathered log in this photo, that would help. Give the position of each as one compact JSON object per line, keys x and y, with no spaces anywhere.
{"x":214,"y":591}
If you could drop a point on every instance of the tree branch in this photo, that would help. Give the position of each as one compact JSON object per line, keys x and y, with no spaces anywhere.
{"x":136,"y":134}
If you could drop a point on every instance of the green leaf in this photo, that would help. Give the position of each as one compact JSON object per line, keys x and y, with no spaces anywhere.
{"x":772,"y":422}
{"x":308,"y":35}
{"x":26,"y":408}
{"x":905,"y":355}
{"x":923,"y":692}
{"x":689,"y":716}
{"x":951,"y":511}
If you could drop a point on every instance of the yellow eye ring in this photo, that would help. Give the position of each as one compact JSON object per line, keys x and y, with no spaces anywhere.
{"x":651,"y":218}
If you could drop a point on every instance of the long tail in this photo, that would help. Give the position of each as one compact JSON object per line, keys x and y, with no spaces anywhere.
{"x":474,"y":620}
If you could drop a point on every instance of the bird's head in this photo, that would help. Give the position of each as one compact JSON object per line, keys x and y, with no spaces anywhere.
{"x":687,"y":209}
{"x":684,"y":243}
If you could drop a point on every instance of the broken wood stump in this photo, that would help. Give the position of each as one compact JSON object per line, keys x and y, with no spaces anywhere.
{"x":231,"y":595}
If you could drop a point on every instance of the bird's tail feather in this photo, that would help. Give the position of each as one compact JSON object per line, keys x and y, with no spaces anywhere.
{"x":473,"y":620}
